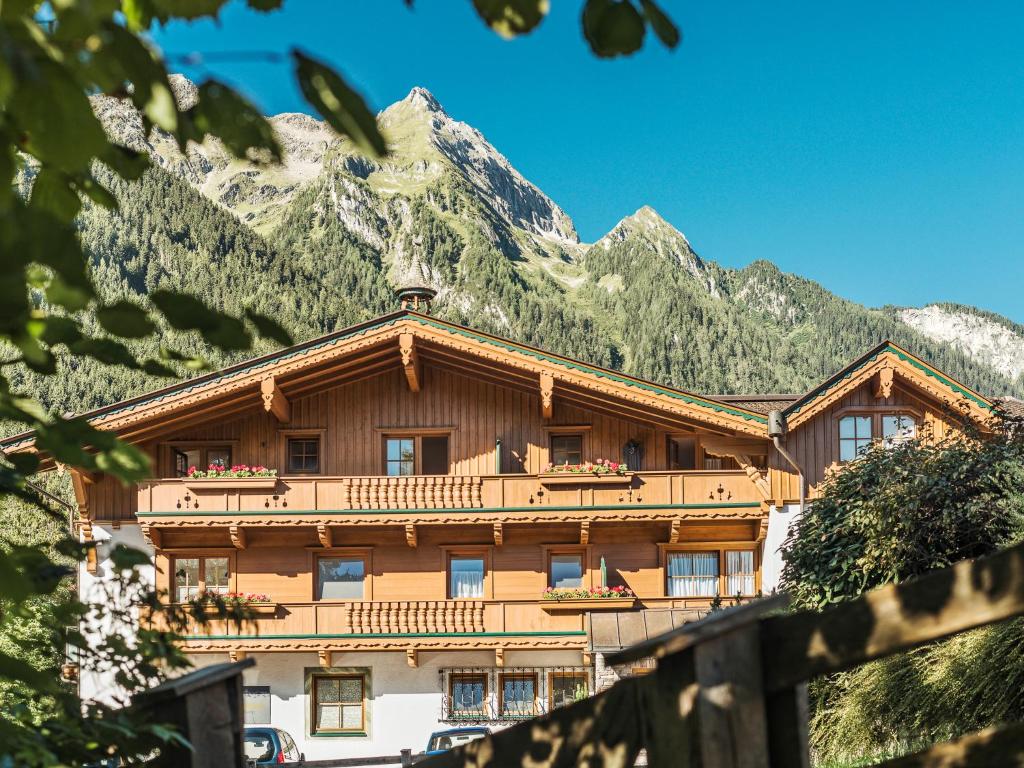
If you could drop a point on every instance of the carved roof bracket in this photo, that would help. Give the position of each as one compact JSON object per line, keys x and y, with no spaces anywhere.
{"x":274,"y":400}
{"x":410,"y":361}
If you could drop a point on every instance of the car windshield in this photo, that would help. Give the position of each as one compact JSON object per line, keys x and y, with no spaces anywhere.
{"x":440,"y":741}
{"x":259,"y":746}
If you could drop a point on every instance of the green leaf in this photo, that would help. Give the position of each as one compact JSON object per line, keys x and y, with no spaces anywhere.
{"x":613,"y":27}
{"x":59,"y":330}
{"x":98,"y":193}
{"x":126,"y":163}
{"x":510,"y":18}
{"x":127,"y":59}
{"x":265,"y":5}
{"x":52,"y":191}
{"x":156,"y":368}
{"x":342,"y":108}
{"x":269,"y":329}
{"x":60,"y":128}
{"x":187,"y":313}
{"x":106,"y":351}
{"x":35,"y":356}
{"x":223,"y":113}
{"x":124,"y":557}
{"x":124,"y":319}
{"x":662,"y":25}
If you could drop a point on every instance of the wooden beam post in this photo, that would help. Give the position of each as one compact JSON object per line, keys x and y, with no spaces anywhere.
{"x":410,"y":535}
{"x":82,"y":482}
{"x":152,"y":534}
{"x":673,"y":536}
{"x":274,"y":400}
{"x":326,"y":536}
{"x":410,"y":361}
{"x":499,"y":535}
{"x":237,"y":534}
{"x":324,"y":657}
{"x":234,"y":656}
{"x":499,"y":657}
{"x":412,"y":657}
{"x":547,"y":395}
{"x":585,"y":532}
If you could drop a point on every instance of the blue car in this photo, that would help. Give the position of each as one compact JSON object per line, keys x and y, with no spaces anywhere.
{"x":269,"y":746}
{"x":442,"y":741}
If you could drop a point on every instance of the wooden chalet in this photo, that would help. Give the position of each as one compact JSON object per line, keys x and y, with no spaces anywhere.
{"x":406,"y":543}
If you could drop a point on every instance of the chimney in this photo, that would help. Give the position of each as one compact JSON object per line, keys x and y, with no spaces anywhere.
{"x":416,"y":297}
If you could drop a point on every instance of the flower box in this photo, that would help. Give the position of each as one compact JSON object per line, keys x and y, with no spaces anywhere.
{"x":588,"y":604}
{"x":256,"y":609}
{"x":217,"y":483}
{"x":580,"y":478}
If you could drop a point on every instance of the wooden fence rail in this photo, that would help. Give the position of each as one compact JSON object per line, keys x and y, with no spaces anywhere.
{"x":730,"y":690}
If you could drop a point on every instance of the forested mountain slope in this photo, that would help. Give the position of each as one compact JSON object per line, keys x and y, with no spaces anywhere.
{"x":321,"y":241}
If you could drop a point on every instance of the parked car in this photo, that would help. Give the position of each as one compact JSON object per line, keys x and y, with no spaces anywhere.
{"x":442,"y":741}
{"x":269,"y":746}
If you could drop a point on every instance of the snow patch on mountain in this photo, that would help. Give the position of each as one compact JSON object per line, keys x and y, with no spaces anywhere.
{"x":980,"y":337}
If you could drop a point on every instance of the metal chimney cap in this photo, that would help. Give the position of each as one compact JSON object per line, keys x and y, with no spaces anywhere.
{"x":416,"y":297}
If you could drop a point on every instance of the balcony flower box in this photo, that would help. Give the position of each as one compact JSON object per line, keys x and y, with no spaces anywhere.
{"x":584,"y":599}
{"x":256,"y":604}
{"x":238,"y":476}
{"x":589,"y":473}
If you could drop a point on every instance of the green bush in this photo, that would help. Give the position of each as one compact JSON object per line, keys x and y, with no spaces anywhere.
{"x":893,"y":514}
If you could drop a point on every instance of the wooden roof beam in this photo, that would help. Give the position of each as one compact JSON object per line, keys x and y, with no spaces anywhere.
{"x":238,"y":538}
{"x":274,"y":400}
{"x":410,"y":361}
{"x":626,"y":411}
{"x":547,"y":395}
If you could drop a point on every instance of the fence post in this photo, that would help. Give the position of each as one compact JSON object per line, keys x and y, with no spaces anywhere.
{"x":406,"y":757}
{"x":788,"y":714}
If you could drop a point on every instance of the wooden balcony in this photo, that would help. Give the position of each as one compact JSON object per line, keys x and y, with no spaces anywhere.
{"x":391,"y":625}
{"x":437,"y":492}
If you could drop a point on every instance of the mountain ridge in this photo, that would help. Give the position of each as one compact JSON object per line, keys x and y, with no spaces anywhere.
{"x":320,"y":241}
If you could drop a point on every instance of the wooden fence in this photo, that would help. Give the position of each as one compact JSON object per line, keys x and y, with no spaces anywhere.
{"x":730,"y":691}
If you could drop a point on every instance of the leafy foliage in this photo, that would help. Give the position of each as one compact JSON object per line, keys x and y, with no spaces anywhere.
{"x":891,"y":515}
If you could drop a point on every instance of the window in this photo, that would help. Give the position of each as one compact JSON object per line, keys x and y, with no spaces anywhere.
{"x":682,"y":452}
{"x":854,"y":436}
{"x":303,"y":455}
{"x":565,"y":571}
{"x":465,"y":576}
{"x":200,"y":457}
{"x":193,"y":575}
{"x":567,"y":449}
{"x":467,"y":695}
{"x":518,"y":693}
{"x":339,"y":704}
{"x":692,"y":574}
{"x":416,"y":455}
{"x":719,"y":462}
{"x":401,"y":456}
{"x":256,"y":704}
{"x":340,"y":578}
{"x":898,"y":428}
{"x":739,"y":573}
{"x":565,"y":688}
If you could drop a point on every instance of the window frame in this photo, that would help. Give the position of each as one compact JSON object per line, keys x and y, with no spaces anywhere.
{"x":284,"y":435}
{"x":465,"y":714}
{"x":719,"y":547}
{"x":702,"y":551}
{"x":483,"y":553}
{"x":559,"y":430}
{"x":172,"y":447}
{"x":572,"y":674}
{"x":351,"y":553}
{"x":582,"y":550}
{"x":534,"y":709}
{"x":416,"y":435}
{"x":202,"y":556}
{"x":314,"y":730}
{"x":876,"y":414}
{"x":317,"y":470}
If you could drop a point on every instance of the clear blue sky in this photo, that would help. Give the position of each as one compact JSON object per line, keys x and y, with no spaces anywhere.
{"x":875,"y":147}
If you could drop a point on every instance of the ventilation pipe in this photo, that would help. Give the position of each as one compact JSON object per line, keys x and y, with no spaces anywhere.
{"x":776,"y":431}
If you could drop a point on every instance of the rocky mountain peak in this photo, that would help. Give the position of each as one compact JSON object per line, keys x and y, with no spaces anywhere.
{"x":421,"y":99}
{"x":647,"y":225}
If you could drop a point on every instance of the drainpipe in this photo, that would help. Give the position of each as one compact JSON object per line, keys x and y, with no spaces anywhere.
{"x":497,"y":456}
{"x":776,"y":431}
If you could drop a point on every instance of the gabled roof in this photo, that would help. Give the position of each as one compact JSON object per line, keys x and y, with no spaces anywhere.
{"x":372,"y":347}
{"x":908,"y":367}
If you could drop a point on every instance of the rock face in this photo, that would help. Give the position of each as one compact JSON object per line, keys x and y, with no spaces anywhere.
{"x":992,"y":341}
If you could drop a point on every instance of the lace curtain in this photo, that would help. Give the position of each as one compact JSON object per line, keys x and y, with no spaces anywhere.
{"x":693,"y":574}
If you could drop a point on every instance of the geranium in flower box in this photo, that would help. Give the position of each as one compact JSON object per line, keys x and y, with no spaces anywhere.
{"x":237,"y":476}
{"x":588,"y":598}
{"x":600,"y":471}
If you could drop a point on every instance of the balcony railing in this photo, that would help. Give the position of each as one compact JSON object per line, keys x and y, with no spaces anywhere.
{"x":451,"y":492}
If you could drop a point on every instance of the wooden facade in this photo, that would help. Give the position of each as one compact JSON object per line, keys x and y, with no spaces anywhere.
{"x":481,"y":419}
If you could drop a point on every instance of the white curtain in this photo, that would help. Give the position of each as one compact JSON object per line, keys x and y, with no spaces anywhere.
{"x":693,"y":574}
{"x":467,"y":584}
{"x":739,"y":571}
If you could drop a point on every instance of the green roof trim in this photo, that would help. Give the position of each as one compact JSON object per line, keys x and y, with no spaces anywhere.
{"x":286,"y":512}
{"x":364,"y":635}
{"x":846,"y":373}
{"x":592,"y":370}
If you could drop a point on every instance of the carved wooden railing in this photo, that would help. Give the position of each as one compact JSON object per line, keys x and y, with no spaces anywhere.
{"x":416,"y":616}
{"x":414,"y":492}
{"x":730,"y":691}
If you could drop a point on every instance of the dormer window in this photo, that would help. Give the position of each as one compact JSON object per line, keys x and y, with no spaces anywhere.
{"x":854,"y":436}
{"x":898,"y":428}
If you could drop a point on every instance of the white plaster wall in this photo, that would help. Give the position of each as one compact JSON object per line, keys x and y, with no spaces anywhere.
{"x":98,"y":589}
{"x":404,"y":706}
{"x":779,"y":523}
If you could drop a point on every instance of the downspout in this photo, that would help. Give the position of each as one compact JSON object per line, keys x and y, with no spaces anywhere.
{"x":776,"y":431}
